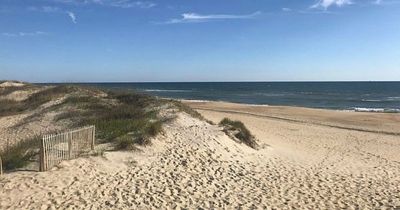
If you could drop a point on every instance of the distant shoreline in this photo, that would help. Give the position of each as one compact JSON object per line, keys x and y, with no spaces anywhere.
{"x":125,"y":82}
{"x":361,"y":110}
{"x":371,"y":122}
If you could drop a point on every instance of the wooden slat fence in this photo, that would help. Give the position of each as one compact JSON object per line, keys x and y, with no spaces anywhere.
{"x":55,"y":148}
{"x":1,"y":166}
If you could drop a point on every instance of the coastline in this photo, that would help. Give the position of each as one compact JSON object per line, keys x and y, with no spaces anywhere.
{"x":355,"y":109}
{"x":384,"y":123}
{"x":306,"y":159}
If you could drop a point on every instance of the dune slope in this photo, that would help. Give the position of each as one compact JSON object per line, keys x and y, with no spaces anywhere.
{"x":194,"y":164}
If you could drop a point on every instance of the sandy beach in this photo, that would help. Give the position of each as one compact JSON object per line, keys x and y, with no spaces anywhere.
{"x":351,"y":157}
{"x":221,"y":105}
{"x":309,"y":159}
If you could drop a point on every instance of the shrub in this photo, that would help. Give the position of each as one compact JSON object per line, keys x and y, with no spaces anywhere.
{"x":140,"y":100}
{"x":154,"y":128}
{"x":109,"y":130}
{"x":142,"y":140}
{"x":124,"y":142}
{"x":239,"y":130}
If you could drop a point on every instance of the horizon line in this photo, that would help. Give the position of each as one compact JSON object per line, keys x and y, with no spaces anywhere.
{"x":288,"y":81}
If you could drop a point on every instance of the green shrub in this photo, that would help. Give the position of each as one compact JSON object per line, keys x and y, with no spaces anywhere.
{"x":124,"y":143}
{"x":154,"y":128}
{"x":109,"y":130}
{"x":239,"y":130}
{"x":142,"y":140}
{"x":140,"y":100}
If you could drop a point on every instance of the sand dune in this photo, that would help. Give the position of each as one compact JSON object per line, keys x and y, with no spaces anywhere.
{"x":195,"y":165}
{"x":5,"y":84}
{"x":357,"y":168}
{"x":192,"y":164}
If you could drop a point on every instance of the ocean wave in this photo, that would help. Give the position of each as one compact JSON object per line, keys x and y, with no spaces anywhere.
{"x":394,"y":98}
{"x":372,"y":100}
{"x":267,"y":94}
{"x":381,"y":110}
{"x":197,"y":100}
{"x":386,"y":99}
{"x":163,"y":90}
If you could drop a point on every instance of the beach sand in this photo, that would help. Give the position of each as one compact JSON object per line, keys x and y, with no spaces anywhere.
{"x":335,"y":158}
{"x":309,"y":159}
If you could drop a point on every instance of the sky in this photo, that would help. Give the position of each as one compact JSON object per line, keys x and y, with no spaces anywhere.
{"x":199,"y":40}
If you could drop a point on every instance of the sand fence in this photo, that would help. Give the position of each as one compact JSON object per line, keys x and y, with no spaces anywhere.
{"x":1,"y":166}
{"x":55,"y":148}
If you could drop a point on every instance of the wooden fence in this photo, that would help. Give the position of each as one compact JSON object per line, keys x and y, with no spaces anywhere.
{"x":65,"y":146}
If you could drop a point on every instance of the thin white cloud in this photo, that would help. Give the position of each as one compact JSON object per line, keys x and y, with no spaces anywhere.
{"x":72,"y":16}
{"x":385,"y":2}
{"x":48,"y":9}
{"x":306,"y":11}
{"x":21,"y":34}
{"x":51,"y":9}
{"x":325,"y":4}
{"x":131,"y":4}
{"x":194,"y":17}
{"x":113,"y":3}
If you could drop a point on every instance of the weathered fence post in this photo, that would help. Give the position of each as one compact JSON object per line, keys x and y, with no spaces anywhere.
{"x":42,"y":162}
{"x":69,"y":137}
{"x":1,"y":166}
{"x":93,"y":136}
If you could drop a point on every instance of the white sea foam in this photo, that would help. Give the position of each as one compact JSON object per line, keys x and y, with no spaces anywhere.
{"x":387,"y":99}
{"x":382,"y":110}
{"x":206,"y":101}
{"x":196,"y":101}
{"x":159,"y":90}
{"x":395,"y":98}
{"x":371,"y":100}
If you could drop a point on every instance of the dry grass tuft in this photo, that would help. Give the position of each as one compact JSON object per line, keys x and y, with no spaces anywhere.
{"x":20,"y":155}
{"x":238,"y":130}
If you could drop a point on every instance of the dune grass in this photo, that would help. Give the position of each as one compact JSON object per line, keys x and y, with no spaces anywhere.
{"x":8,"y":90}
{"x":185,"y":108}
{"x":122,"y":118}
{"x":10,"y":107}
{"x":239,"y":130}
{"x":20,"y":154}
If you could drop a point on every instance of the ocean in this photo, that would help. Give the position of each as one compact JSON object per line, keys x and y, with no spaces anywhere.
{"x":355,"y":96}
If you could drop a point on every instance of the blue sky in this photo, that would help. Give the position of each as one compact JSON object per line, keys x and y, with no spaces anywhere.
{"x":199,"y":40}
